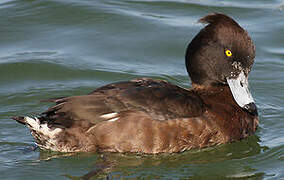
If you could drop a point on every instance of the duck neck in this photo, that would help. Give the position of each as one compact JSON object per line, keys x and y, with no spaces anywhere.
{"x":211,"y":89}
{"x":217,"y":94}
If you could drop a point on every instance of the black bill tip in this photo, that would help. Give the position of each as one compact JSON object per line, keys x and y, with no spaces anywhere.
{"x":251,"y":108}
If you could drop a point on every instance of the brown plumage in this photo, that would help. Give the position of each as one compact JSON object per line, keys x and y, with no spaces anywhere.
{"x":154,"y":116}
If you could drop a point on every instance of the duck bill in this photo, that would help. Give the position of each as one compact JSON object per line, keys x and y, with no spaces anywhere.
{"x":240,"y":89}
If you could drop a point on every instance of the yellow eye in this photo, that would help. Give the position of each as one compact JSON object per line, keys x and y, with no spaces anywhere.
{"x":228,"y":53}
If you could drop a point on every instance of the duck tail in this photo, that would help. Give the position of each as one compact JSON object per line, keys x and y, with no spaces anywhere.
{"x":20,"y":119}
{"x":45,"y":137}
{"x":31,"y":123}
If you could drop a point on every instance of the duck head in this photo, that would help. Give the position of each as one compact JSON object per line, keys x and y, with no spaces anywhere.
{"x":222,"y":53}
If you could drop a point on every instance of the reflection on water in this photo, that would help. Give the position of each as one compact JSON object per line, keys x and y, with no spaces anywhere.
{"x":56,"y":48}
{"x":192,"y":163}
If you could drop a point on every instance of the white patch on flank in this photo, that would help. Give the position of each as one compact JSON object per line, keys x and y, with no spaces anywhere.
{"x":91,"y":128}
{"x":109,"y":115}
{"x":113,"y":119}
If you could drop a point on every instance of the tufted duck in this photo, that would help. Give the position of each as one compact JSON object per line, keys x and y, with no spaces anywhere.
{"x":154,"y":116}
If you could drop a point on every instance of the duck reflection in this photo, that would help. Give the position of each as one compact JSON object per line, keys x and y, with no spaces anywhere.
{"x":186,"y":165}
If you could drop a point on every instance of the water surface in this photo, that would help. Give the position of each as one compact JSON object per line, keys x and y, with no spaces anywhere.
{"x":54,"y":48}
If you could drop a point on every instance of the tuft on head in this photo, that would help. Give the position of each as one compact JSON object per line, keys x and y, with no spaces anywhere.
{"x":216,"y":18}
{"x":205,"y":60}
{"x":221,"y":24}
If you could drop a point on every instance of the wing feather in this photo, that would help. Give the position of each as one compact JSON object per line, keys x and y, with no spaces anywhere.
{"x":160,"y":99}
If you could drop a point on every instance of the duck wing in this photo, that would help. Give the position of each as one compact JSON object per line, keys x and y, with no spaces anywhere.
{"x":158,"y":99}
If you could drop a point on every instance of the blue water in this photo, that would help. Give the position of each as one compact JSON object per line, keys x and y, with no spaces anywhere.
{"x":53,"y":48}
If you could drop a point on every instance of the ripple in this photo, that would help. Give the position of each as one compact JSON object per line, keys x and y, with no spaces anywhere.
{"x":53,"y":48}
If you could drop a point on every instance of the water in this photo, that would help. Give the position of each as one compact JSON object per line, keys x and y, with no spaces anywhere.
{"x":53,"y":48}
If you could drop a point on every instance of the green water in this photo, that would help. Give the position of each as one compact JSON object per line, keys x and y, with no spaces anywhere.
{"x":54,"y":48}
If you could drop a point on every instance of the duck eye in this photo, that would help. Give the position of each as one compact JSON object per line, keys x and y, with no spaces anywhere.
{"x":228,"y":53}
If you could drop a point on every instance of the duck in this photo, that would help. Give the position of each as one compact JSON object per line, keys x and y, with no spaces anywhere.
{"x":152,"y":116}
